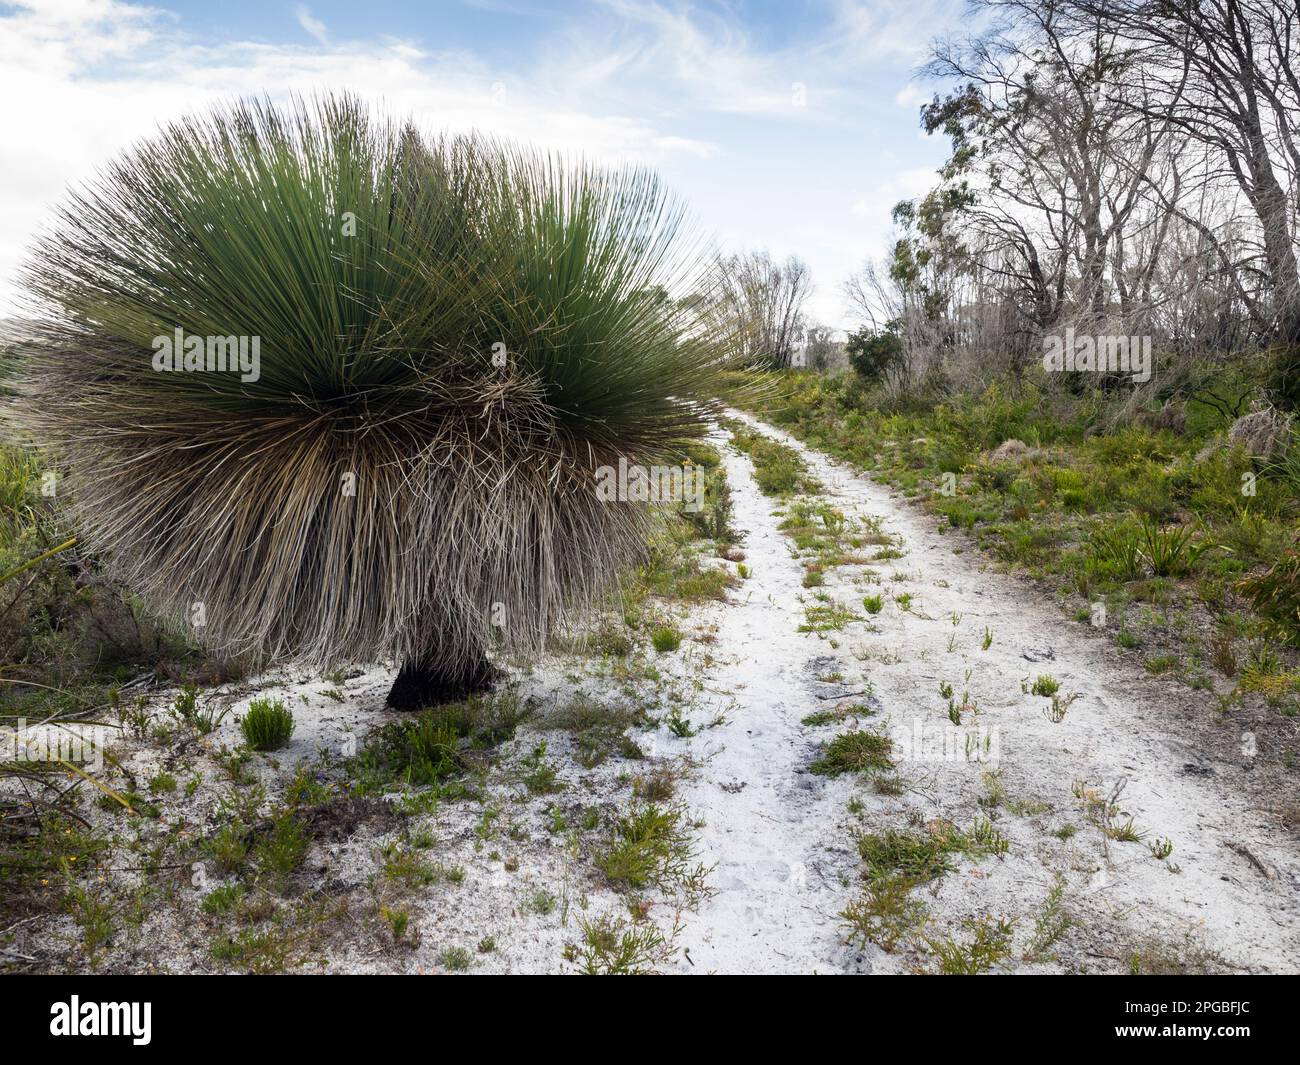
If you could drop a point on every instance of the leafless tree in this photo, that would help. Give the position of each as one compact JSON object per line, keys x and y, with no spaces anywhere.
{"x":1230,"y":82}
{"x":1128,"y":166}
{"x":762,"y":300}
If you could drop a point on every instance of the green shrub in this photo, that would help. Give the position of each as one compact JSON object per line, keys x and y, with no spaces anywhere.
{"x":665,"y":639}
{"x":422,"y":751}
{"x":616,"y":947}
{"x":1275,"y":595}
{"x":778,"y":469}
{"x":203,"y":719}
{"x":885,"y":913}
{"x":989,"y":946}
{"x":1116,"y":552}
{"x":1045,"y":686}
{"x":427,"y":748}
{"x":875,"y":355}
{"x":267,"y":724}
{"x":222,"y":899}
{"x":1169,"y":552}
{"x":714,"y":518}
{"x":610,"y":641}
{"x":914,"y":856}
{"x":162,"y":784}
{"x":282,"y":850}
{"x":652,"y":846}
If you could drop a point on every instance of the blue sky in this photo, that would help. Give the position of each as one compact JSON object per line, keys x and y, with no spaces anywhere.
{"x":787,"y":126}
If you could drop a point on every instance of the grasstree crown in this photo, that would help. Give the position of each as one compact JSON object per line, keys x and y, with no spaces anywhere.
{"x":451,"y":336}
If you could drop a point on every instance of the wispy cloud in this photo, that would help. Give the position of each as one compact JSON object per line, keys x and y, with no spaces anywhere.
{"x":707,"y":58}
{"x":899,"y":29}
{"x":911,"y":95}
{"x":313,"y":26}
{"x":772,"y":133}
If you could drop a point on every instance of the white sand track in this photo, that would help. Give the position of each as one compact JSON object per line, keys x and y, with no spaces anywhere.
{"x":767,"y":822}
{"x":780,"y":836}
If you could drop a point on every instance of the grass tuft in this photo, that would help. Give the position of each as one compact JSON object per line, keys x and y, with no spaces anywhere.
{"x":267,"y":725}
{"x":855,"y":752}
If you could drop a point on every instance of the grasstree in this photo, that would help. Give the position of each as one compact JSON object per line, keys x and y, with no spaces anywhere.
{"x":451,"y":336}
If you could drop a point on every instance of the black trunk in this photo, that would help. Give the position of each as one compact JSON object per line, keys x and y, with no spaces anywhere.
{"x":418,"y":686}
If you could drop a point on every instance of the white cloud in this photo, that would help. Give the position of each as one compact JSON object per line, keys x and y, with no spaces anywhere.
{"x":707,"y":59}
{"x":909,"y":183}
{"x":905,"y":184}
{"x":314,"y":26}
{"x":911,"y":96}
{"x":709,"y":56}
{"x":95,"y":75}
{"x":693,"y":93}
{"x":902,"y":29}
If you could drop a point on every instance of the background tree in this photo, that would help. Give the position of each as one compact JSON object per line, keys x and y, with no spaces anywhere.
{"x":821,"y":351}
{"x":760,"y":303}
{"x":1120,"y":166}
{"x":1232,"y":84}
{"x":876,"y":355}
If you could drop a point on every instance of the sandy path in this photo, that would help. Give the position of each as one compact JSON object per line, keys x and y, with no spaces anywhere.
{"x":766,"y":820}
{"x":785,"y":866}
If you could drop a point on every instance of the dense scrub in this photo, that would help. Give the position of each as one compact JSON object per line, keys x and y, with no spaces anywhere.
{"x":1157,"y":527}
{"x":73,"y":647}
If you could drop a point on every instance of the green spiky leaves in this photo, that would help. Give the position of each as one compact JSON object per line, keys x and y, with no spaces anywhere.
{"x":452,"y":336}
